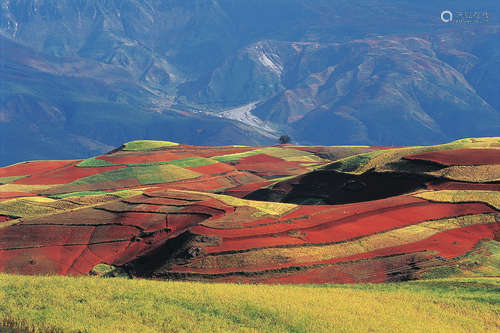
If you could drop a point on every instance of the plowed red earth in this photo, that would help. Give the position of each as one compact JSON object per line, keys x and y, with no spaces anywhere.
{"x":169,"y":231}
{"x":64,"y":175}
{"x":31,"y":168}
{"x":460,"y":156}
{"x":448,"y":244}
{"x":12,"y":195}
{"x":332,"y":227}
{"x":213,"y":168}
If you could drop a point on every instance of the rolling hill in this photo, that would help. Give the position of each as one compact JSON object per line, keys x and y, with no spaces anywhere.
{"x":276,"y":214}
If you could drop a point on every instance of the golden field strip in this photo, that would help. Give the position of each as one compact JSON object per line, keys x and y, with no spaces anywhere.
{"x":92,"y":304}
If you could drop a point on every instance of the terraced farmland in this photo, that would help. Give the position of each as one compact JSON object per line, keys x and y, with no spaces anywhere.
{"x":282,"y":214}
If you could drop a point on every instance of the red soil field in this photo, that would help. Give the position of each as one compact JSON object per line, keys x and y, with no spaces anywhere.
{"x":165,"y":227}
{"x":217,"y":182}
{"x":90,"y":256}
{"x":146,"y":221}
{"x":180,"y":222}
{"x":12,"y":195}
{"x":64,"y":175}
{"x":43,"y":235}
{"x":448,"y":244}
{"x":307,"y":216}
{"x":4,"y":218}
{"x":200,"y":184}
{"x":212,"y":169}
{"x":31,"y":168}
{"x":326,"y":228}
{"x":47,"y":260}
{"x":460,"y":156}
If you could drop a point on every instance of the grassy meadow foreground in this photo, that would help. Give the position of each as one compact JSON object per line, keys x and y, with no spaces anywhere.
{"x":92,"y":304}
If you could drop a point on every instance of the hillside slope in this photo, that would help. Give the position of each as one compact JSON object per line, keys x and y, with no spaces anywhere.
{"x":347,"y":214}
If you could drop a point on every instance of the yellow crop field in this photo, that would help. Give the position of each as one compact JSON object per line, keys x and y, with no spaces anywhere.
{"x":24,"y":207}
{"x":264,"y":207}
{"x":92,"y":304}
{"x":490,"y":197}
{"x":471,"y":173}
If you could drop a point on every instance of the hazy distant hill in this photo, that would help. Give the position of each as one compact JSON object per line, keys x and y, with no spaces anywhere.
{"x":80,"y":77}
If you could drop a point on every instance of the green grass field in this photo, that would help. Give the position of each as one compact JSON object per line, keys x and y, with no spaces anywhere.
{"x":92,"y":304}
{"x":140,"y":145}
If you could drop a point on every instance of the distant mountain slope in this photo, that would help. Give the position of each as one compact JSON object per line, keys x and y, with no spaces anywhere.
{"x":80,"y":77}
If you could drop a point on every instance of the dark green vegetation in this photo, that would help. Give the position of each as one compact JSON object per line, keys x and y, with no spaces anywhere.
{"x":81,"y":78}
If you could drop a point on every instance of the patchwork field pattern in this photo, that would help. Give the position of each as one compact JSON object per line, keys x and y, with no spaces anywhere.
{"x":282,"y":214}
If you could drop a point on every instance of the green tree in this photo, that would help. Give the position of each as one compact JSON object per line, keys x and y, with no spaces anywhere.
{"x":284,"y":139}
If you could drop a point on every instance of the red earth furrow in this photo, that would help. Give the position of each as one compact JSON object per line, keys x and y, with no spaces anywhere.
{"x":447,"y":244}
{"x":349,"y":228}
{"x":346,"y":222}
{"x":460,"y":156}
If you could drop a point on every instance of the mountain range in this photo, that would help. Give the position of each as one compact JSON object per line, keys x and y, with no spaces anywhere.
{"x":78,"y":78}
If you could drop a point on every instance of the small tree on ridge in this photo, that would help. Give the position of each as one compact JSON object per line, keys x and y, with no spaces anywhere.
{"x":284,"y":139}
